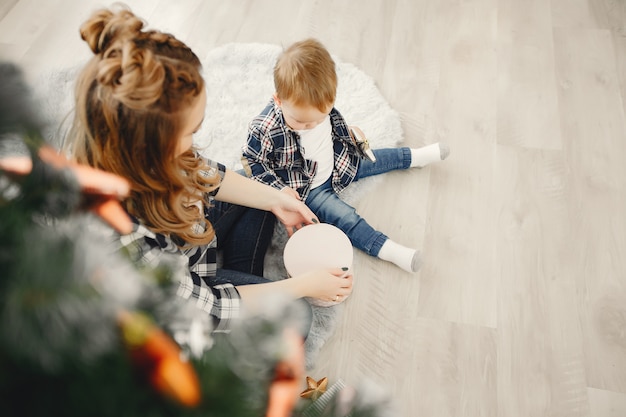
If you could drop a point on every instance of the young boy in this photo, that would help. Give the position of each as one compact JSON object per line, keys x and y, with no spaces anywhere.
{"x":301,"y":144}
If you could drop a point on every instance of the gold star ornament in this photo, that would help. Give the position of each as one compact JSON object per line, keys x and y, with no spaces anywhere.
{"x":314,"y":388}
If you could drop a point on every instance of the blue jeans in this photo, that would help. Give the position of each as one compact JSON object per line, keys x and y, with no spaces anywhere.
{"x":329,"y":208}
{"x":243,"y":236}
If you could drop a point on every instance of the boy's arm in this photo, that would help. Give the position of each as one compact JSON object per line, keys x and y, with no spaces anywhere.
{"x":257,"y":156}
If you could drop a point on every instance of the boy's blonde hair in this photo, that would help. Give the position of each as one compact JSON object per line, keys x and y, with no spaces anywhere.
{"x":305,"y":74}
{"x":131,"y":99}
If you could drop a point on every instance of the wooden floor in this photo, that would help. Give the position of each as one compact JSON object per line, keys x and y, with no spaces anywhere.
{"x":520,"y":307}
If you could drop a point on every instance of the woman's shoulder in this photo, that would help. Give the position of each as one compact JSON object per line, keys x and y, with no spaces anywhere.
{"x":141,"y":244}
{"x":212,"y":167}
{"x":142,"y":238}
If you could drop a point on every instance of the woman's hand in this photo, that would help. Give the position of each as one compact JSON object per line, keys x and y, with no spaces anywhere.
{"x":327,"y":285}
{"x":292,"y":212}
{"x":289,"y":209}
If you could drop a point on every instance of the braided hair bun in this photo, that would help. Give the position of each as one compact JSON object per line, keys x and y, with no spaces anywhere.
{"x":132,"y":74}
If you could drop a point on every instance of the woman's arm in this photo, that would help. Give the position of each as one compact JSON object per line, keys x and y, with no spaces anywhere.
{"x":292,"y":212}
{"x":325,"y":285}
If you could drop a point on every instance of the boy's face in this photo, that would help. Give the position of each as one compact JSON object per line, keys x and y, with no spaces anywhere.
{"x":301,"y":117}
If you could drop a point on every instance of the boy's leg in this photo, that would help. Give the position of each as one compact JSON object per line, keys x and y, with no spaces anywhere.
{"x":243,"y":235}
{"x":329,"y":208}
{"x":420,"y":157}
{"x":408,"y":259}
{"x":390,"y":159}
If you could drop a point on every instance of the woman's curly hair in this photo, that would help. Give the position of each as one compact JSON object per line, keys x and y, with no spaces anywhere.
{"x":131,"y":99}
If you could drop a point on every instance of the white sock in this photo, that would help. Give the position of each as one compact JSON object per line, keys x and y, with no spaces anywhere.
{"x":406,"y":258}
{"x":420,"y":157}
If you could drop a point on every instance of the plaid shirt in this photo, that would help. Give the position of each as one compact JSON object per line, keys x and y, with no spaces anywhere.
{"x":194,"y":267}
{"x":273,"y":153}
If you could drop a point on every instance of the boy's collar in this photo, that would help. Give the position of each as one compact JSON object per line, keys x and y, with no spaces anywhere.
{"x":281,"y":116}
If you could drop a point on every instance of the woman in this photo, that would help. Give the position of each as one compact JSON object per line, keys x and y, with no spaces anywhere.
{"x":139,"y":101}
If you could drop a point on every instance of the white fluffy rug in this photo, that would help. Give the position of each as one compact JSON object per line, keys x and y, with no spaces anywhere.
{"x":239,"y":85}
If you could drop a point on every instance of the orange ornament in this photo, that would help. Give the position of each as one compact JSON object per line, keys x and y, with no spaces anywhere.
{"x":101,"y":191}
{"x":283,"y":391}
{"x":157,"y":354}
{"x":176,"y":379}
